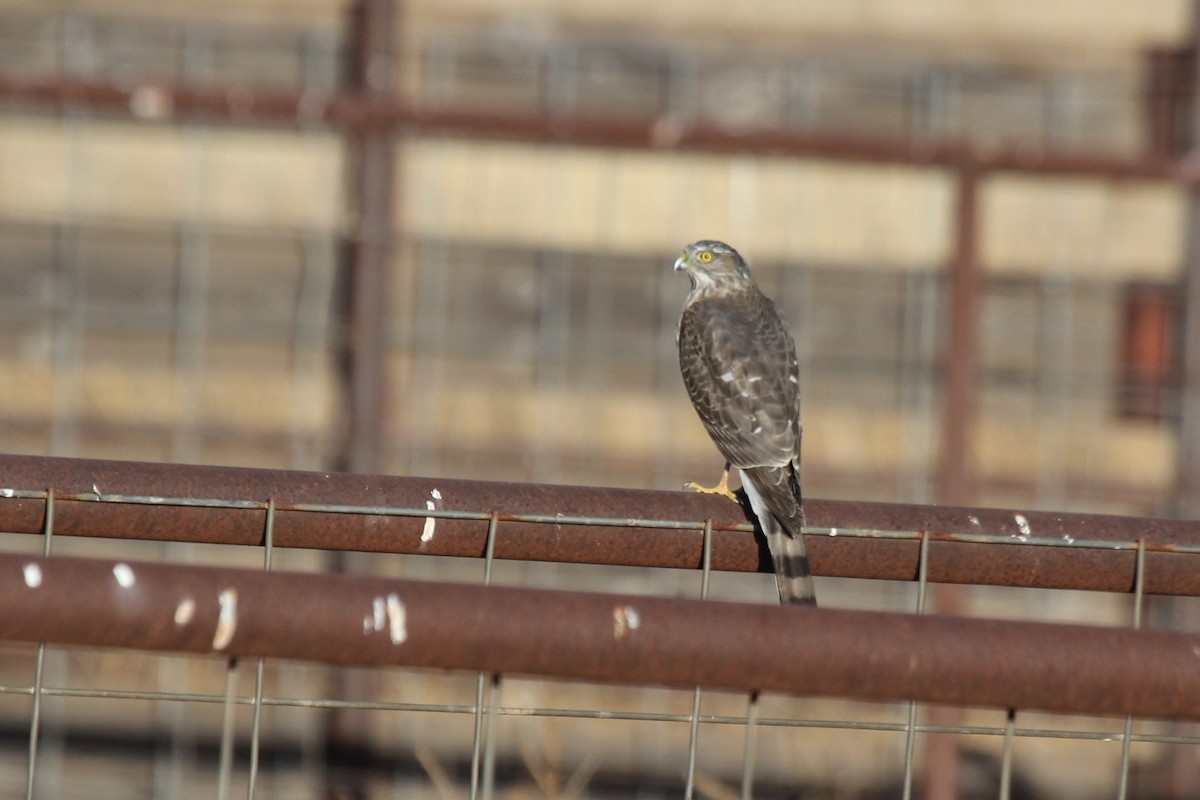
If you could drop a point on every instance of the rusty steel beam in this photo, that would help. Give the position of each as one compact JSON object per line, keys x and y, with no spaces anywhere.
{"x":249,"y":106}
{"x":965,"y":279}
{"x":377,"y":622}
{"x":630,"y":527}
{"x":1187,"y":333}
{"x":361,"y":354}
{"x":366,"y":251}
{"x":1181,"y":771}
{"x":956,"y":470}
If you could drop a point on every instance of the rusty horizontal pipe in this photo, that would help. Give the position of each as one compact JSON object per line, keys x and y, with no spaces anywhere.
{"x":379,"y":622}
{"x":628,"y":527}
{"x":245,"y":105}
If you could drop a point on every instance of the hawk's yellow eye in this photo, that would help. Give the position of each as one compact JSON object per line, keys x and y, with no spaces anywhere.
{"x":705,"y":256}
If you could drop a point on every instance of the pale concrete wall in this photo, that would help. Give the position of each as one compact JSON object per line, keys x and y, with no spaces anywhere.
{"x":588,"y":199}
{"x":618,"y":201}
{"x":299,"y":12}
{"x":957,"y":25}
{"x":646,"y":202}
{"x":119,"y":170}
{"x":823,"y":212}
{"x":1077,"y":227}
{"x":1028,"y":24}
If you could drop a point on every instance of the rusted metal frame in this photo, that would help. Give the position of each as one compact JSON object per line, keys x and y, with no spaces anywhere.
{"x":374,"y":622}
{"x":1188,"y":458}
{"x":366,"y":260}
{"x":364,"y":277}
{"x":247,"y":106}
{"x":961,"y":354}
{"x":955,"y":478}
{"x":1188,"y":469}
{"x":1182,"y":771}
{"x":366,"y":251}
{"x":331,"y":511}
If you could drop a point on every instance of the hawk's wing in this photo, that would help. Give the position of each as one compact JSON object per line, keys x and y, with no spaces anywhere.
{"x":739,"y":366}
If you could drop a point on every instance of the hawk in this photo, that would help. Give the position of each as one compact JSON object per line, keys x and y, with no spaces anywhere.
{"x":740,"y":370}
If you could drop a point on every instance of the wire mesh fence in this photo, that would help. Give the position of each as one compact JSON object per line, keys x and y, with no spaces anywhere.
{"x":447,"y":731}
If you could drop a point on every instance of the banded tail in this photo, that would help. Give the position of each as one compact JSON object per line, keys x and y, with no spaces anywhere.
{"x":792,"y":573}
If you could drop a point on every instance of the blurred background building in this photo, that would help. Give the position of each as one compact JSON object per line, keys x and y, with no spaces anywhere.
{"x":435,"y":238}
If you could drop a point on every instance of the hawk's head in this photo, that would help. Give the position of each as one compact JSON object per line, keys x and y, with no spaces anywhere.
{"x":712,"y":264}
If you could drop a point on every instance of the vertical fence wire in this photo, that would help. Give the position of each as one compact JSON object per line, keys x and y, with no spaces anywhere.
{"x":706,"y":571}
{"x":488,"y":558}
{"x":489,"y":749}
{"x":919,"y":339}
{"x":225,"y":762}
{"x":67,"y":330}
{"x":910,"y":741}
{"x":750,"y":751}
{"x":310,"y":330}
{"x":1006,"y":757}
{"x":35,"y":718}
{"x":1138,"y":586}
{"x":256,"y":723}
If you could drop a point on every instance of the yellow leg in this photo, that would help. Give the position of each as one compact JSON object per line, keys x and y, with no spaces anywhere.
{"x":721,"y":488}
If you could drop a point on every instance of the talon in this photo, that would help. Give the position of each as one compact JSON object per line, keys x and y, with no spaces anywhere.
{"x":721,"y":488}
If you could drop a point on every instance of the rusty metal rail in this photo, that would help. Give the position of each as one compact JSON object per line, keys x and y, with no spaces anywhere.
{"x":257,"y":106}
{"x":436,"y":516}
{"x":599,"y":637}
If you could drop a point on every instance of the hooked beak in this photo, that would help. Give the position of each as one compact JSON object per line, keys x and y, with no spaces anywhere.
{"x":680,"y":263}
